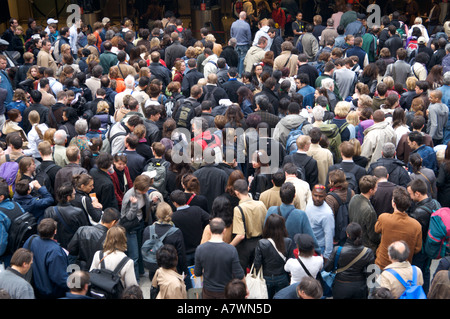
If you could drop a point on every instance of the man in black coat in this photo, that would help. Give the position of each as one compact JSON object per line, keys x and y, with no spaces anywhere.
{"x":88,"y":239}
{"x":190,"y":78}
{"x":268,"y":90}
{"x":395,"y":167}
{"x":103,"y":184}
{"x":229,"y":53}
{"x":174,"y":51}
{"x":232,"y":85}
{"x":382,"y":199}
{"x":158,"y":70}
{"x":304,"y":67}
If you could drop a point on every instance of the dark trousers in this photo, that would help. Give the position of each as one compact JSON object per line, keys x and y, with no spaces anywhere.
{"x":246,"y":252}
{"x":422,"y":261}
{"x":350,"y":290}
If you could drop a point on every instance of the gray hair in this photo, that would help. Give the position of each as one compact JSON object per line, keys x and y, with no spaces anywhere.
{"x":232,"y":42}
{"x":446,"y":80}
{"x":328,"y":84}
{"x":109,"y":34}
{"x":388,"y":150}
{"x":396,"y":252}
{"x":81,"y":126}
{"x":447,"y":47}
{"x":318,"y":113}
{"x":129,"y":82}
{"x":60,"y":137}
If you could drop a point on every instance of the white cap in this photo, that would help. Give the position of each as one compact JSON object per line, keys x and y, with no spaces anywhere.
{"x":51,"y":20}
{"x":151,"y":174}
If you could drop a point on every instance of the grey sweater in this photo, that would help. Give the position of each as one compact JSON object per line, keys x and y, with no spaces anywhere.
{"x":437,"y":120}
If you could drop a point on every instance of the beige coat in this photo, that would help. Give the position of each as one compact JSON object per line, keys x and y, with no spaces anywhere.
{"x":271,"y":197}
{"x":280,"y":62}
{"x":404,"y":269}
{"x":374,"y":138}
{"x":324,"y":160}
{"x":254,"y":55}
{"x":171,"y":284}
{"x":45,"y":59}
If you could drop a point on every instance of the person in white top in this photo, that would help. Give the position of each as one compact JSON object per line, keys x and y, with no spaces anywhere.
{"x":114,"y":249}
{"x":311,"y":264}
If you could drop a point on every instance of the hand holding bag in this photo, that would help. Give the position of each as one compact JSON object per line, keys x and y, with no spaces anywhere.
{"x":256,"y":284}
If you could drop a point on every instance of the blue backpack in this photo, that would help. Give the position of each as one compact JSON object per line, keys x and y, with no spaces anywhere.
{"x":291,"y":143}
{"x":412,"y":289}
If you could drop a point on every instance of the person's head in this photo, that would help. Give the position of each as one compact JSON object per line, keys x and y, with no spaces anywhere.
{"x":435,"y":96}
{"x":65,"y":193}
{"x":84,"y":182}
{"x":368,"y":185}
{"x":378,"y":116}
{"x":104,"y":161}
{"x":78,"y":282}
{"x":305,"y":244}
{"x":217,"y":226}
{"x":27,"y":166}
{"x":190,"y":183}
{"x":21,"y":260}
{"x":236,"y":288}
{"x":116,"y":240}
{"x":347,"y":150}
{"x":417,"y":190}
{"x":163,"y":212}
{"x":60,"y":137}
{"x":388,"y":150}
{"x":309,"y":288}
{"x":47,"y":228}
{"x":400,"y":199}
{"x":440,"y":285}
{"x":354,"y":233}
{"x":110,"y":217}
{"x":167,"y":257}
{"x":398,"y":251}
{"x":240,"y":187}
{"x":415,"y":140}
{"x":337,"y":179}
{"x":303,"y":142}
{"x":319,"y":192}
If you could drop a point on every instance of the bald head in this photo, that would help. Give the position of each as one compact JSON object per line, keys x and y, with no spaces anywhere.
{"x":398,"y":251}
{"x":242,"y":15}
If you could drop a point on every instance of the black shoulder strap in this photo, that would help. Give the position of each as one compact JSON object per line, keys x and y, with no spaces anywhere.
{"x":121,"y":264}
{"x":243,"y":220}
{"x":304,"y":267}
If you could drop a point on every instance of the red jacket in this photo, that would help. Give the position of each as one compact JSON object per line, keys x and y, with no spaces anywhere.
{"x":279,"y":17}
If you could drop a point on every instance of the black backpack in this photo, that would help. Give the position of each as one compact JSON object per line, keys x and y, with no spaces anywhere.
{"x":23,"y":226}
{"x":105,"y":283}
{"x":43,"y":178}
{"x":341,"y":219}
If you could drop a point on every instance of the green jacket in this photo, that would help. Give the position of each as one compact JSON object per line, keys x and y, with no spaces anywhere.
{"x":107,"y":60}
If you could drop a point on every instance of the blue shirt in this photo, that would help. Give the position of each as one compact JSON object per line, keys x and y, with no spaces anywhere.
{"x":321,"y":219}
{"x":240,"y":30}
{"x":308,"y":95}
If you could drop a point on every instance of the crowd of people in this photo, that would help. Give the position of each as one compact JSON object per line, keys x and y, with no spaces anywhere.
{"x":298,"y":147}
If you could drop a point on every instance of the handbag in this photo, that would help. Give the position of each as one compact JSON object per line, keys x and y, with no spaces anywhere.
{"x":256,"y":284}
{"x":327,"y":277}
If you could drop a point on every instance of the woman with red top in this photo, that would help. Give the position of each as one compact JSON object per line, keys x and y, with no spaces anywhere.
{"x":278,"y":15}
{"x":120,"y":177}
{"x":180,"y":67}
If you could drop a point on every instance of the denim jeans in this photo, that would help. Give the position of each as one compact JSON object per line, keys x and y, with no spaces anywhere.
{"x":134,"y":243}
{"x":276,"y":283}
{"x":241,"y":51}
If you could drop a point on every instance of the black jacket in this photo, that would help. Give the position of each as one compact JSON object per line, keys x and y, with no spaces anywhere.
{"x":422,"y":214}
{"x":86,"y":205}
{"x":104,"y":188}
{"x":212,"y":180}
{"x":396,"y":170}
{"x":358,"y":271}
{"x":231,"y":86}
{"x":190,"y":79}
{"x":71,"y":219}
{"x":191,"y":221}
{"x":267,"y":257}
{"x":161,"y":73}
{"x":86,"y":241}
{"x":230,"y":55}
{"x":273,"y":99}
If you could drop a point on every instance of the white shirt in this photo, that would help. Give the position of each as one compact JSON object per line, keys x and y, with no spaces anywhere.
{"x":314,"y":264}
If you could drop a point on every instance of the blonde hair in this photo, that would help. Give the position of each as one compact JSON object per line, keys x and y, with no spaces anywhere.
{"x":102,"y":106}
{"x":116,"y":239}
{"x":357,"y":146}
{"x":34,"y":118}
{"x":164,"y":212}
{"x":342,"y":108}
{"x":353,"y":118}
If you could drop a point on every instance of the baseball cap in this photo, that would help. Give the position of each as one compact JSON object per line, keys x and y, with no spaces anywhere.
{"x":421,"y":40}
{"x":105,"y":20}
{"x":3,"y":42}
{"x":51,"y":20}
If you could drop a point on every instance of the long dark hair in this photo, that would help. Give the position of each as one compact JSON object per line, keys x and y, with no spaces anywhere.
{"x":222,"y":208}
{"x":416,"y":162}
{"x":275,"y":228}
